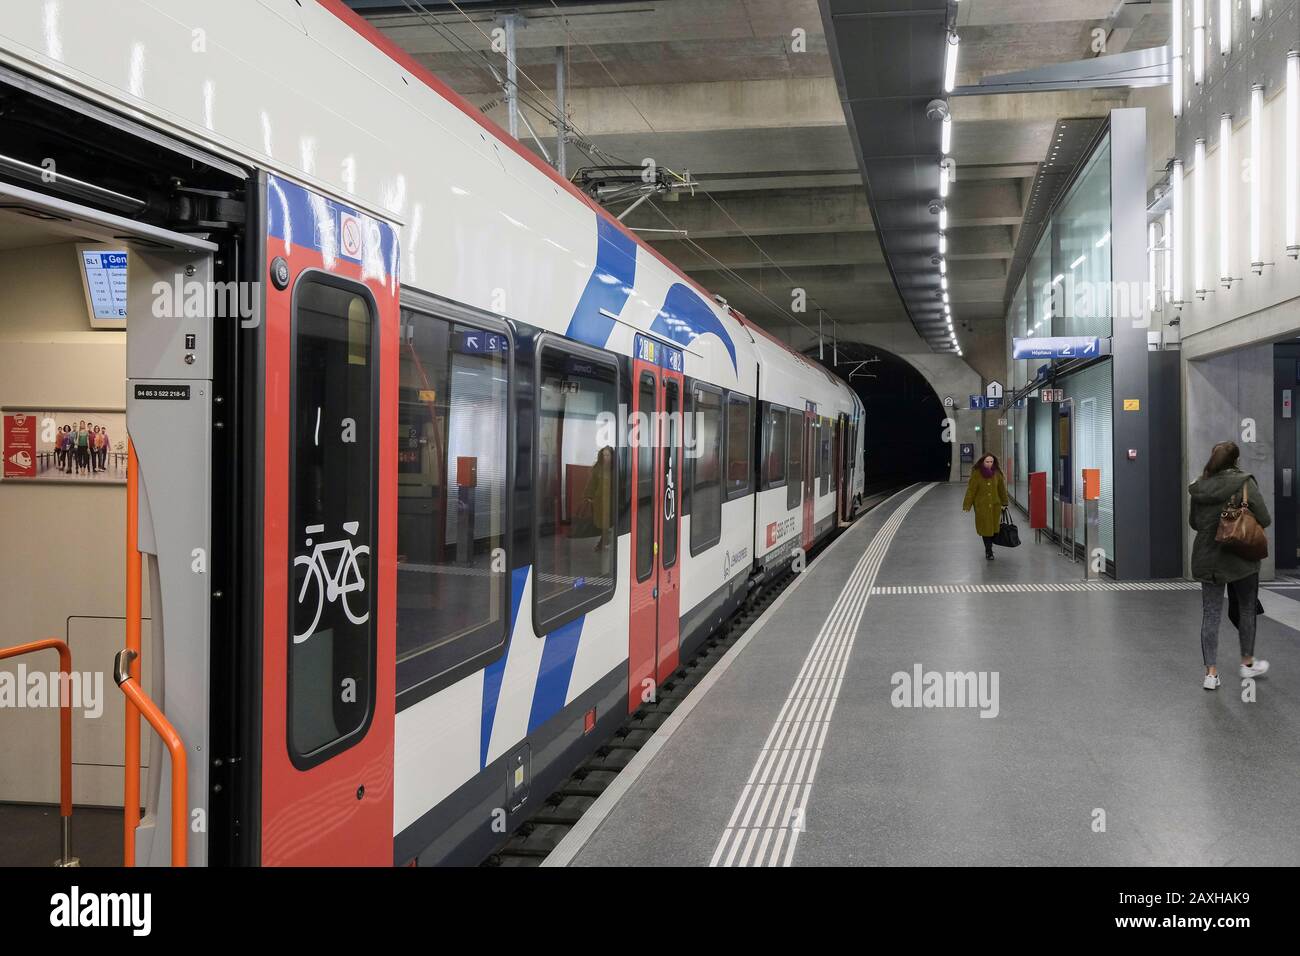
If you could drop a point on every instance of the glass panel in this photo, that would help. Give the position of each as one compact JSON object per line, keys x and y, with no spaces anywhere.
{"x":451,"y":473}
{"x":645,"y":478}
{"x":1082,"y":232}
{"x":577,"y":402}
{"x":774,"y":443}
{"x":332,"y":488}
{"x":794,"y":461}
{"x":672,"y":465}
{"x":706,"y":490}
{"x":739,"y":460}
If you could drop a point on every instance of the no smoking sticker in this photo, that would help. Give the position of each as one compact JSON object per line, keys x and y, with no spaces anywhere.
{"x":351,"y":232}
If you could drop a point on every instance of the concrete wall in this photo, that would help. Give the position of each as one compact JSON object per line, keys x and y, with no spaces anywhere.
{"x":61,"y":563}
{"x":1220,"y":394}
{"x":947,"y":374}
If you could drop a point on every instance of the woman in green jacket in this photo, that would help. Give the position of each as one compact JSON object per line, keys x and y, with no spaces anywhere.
{"x":987,"y":494}
{"x":1215,"y":566}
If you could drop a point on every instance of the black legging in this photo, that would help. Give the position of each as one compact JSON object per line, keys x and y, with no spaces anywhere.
{"x":988,"y":543}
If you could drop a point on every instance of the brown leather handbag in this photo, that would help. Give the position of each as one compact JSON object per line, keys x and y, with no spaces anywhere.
{"x":1239,"y":532}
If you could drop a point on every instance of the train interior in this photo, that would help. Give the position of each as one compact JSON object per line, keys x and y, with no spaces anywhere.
{"x":63,"y":510}
{"x":100,"y":223}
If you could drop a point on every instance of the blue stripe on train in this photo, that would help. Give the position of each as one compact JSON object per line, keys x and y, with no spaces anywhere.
{"x":494,"y":672}
{"x":553,"y":675}
{"x":685,"y":316}
{"x":608,"y":288}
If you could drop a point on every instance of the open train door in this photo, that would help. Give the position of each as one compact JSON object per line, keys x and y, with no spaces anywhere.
{"x":329,"y":501}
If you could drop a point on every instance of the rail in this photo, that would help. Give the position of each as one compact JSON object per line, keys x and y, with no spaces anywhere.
{"x":65,"y":734}
{"x":175,"y":746}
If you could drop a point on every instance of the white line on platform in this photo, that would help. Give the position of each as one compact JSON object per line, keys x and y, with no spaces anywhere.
{"x":596,"y":814}
{"x":802,"y":724}
{"x":1056,"y":587}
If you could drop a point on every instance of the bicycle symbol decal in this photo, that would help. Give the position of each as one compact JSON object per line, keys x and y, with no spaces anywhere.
{"x":332,"y":585}
{"x":670,"y":491}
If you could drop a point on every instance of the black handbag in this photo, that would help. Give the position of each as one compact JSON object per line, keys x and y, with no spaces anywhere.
{"x":1008,"y":535}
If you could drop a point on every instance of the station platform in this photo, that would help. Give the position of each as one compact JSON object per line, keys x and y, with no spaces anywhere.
{"x":1099,"y":746}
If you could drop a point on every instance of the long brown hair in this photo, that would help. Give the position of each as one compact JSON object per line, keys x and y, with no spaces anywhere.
{"x":996,"y":466}
{"x":1224,"y":455}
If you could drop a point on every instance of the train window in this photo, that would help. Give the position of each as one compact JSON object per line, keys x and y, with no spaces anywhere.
{"x":646,"y":442}
{"x":672,"y":465}
{"x":706,"y":482}
{"x":824,"y":469}
{"x":452,"y":464}
{"x":577,"y":470}
{"x":774,"y":438}
{"x":332,"y":512}
{"x":740,"y":462}
{"x":794,"y":460}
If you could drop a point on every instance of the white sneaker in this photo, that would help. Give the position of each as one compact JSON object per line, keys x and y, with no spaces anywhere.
{"x":1257,"y":669}
{"x":1211,"y":682}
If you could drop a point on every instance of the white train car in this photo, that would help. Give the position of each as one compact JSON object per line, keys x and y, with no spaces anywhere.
{"x":471,"y":467}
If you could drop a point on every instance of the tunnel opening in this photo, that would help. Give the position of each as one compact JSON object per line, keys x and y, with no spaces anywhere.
{"x":903,"y":434}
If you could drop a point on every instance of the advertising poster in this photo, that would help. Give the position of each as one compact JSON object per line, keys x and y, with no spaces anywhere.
{"x":64,"y":445}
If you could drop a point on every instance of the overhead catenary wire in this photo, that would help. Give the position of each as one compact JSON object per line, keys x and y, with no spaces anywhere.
{"x":591,"y":150}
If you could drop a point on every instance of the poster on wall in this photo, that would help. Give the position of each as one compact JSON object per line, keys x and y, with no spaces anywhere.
{"x":72,"y":445}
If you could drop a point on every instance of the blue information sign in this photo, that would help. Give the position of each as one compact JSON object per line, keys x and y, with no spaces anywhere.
{"x":1079,"y":346}
{"x":483,"y":343}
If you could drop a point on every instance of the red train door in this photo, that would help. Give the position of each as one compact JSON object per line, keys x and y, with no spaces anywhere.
{"x":655,"y":443}
{"x":809,"y":484}
{"x":329,"y":550}
{"x":672,"y":387}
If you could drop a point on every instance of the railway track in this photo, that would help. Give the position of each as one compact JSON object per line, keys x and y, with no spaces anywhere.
{"x":533,"y":841}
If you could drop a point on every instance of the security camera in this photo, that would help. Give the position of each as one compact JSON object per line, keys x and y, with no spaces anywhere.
{"x":936,"y":206}
{"x":937,"y":110}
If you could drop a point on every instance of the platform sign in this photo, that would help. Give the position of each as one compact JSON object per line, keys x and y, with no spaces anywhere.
{"x":978,"y":402}
{"x":994,"y":390}
{"x":1054,"y":347}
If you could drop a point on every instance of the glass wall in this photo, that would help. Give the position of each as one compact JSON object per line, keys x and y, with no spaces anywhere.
{"x":1089,"y":392}
{"x":1081,"y":231}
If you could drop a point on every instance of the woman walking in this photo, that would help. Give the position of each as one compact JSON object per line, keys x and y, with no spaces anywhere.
{"x":1222,"y":484}
{"x":987,"y":494}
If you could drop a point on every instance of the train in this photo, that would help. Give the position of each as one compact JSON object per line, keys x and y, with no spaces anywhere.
{"x":455,"y":488}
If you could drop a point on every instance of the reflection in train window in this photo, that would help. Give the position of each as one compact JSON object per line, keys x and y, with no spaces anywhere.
{"x":774,"y":446}
{"x":451,"y":507}
{"x":739,"y":461}
{"x":706,"y":484}
{"x":825,"y":467}
{"x":794,"y":460}
{"x":577,"y":471}
{"x":332,"y":473}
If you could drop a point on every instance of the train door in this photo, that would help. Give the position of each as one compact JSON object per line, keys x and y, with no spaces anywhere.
{"x":809,"y":483}
{"x":655,"y":442}
{"x":328,"y":648}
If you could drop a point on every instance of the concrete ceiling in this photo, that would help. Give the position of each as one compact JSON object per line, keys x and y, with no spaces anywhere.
{"x":741,"y":93}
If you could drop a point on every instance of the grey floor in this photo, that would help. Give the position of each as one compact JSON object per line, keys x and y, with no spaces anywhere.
{"x":1101,"y":709}
{"x":31,"y":835}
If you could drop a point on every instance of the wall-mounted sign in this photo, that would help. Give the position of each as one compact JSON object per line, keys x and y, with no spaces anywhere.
{"x":1079,"y":346}
{"x":1132,"y":405}
{"x":64,"y":445}
{"x":993,"y":389}
{"x":967,"y":453}
{"x":1051,"y":394}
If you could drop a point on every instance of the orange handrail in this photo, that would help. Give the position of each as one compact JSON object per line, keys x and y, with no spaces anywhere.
{"x":175,"y":746}
{"x":131,"y":783}
{"x":65,"y":731}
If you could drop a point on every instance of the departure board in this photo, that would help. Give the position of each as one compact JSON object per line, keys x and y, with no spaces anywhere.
{"x":105,"y":272}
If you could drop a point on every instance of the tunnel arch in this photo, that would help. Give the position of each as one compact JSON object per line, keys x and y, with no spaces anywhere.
{"x":903,"y":440}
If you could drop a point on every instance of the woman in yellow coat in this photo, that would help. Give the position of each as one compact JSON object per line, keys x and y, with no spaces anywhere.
{"x":987,"y":494}
{"x":597,"y":494}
